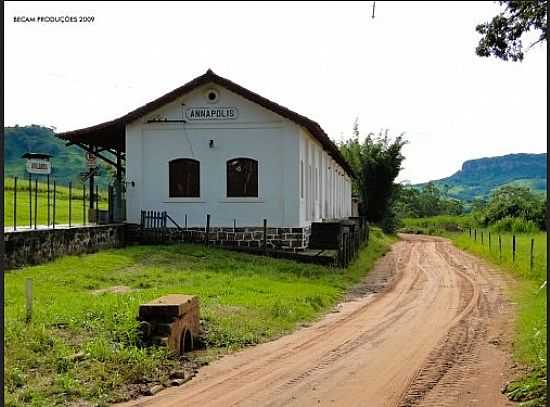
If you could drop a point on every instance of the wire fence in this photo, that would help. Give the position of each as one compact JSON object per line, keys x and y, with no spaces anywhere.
{"x":42,"y":202}
{"x":523,"y":252}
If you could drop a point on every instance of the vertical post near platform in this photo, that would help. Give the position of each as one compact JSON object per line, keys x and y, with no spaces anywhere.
{"x":118,"y":187}
{"x":53,"y":214}
{"x":48,"y":198}
{"x":70,"y":202}
{"x":265,"y":235}
{"x":30,"y":202}
{"x":35,"y":200}
{"x":91,"y":197}
{"x":83,"y":204}
{"x":14,"y":203}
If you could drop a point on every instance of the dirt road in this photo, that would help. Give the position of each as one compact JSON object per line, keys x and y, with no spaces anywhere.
{"x":432,"y":335}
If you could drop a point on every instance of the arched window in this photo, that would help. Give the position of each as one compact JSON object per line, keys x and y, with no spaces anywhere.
{"x":242,"y":177}
{"x":184,"y":178}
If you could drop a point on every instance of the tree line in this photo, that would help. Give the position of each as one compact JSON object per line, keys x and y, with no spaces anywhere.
{"x":377,"y":162}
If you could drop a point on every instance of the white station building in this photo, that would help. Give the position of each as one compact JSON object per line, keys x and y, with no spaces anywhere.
{"x":214,"y":147}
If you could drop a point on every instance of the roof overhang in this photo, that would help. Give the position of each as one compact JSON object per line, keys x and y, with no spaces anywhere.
{"x":37,"y":156}
{"x":111,"y":134}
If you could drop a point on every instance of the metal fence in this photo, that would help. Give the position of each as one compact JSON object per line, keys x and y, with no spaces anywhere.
{"x":42,"y":202}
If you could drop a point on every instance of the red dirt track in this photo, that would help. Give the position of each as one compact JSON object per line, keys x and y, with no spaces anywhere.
{"x":430,"y":335}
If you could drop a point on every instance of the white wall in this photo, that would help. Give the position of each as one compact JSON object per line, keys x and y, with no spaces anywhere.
{"x":257,"y":133}
{"x":328,"y":195}
{"x":279,"y":145}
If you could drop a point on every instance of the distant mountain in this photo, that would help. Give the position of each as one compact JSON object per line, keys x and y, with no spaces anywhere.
{"x":478,"y":178}
{"x":67,"y":162}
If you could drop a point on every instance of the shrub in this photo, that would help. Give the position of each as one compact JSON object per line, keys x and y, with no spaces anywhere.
{"x":514,"y":225}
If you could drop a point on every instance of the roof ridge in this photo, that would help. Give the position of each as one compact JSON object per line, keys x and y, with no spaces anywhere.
{"x":106,"y":129}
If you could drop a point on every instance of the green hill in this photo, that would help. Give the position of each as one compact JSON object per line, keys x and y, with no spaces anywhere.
{"x":67,"y":162}
{"x":478,"y":178}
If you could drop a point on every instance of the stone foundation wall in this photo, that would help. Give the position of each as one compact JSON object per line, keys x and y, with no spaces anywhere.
{"x":27,"y":247}
{"x":283,"y":238}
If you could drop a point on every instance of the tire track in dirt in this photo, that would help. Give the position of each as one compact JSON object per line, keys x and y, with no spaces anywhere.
{"x":414,"y":333}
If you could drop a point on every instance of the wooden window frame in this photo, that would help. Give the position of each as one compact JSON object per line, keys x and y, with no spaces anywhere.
{"x":194,"y":191}
{"x":231,"y":191}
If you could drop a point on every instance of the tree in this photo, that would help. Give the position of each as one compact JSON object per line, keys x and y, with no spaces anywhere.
{"x":413,"y":202}
{"x":503,"y":34}
{"x":351,"y":150}
{"x":515,"y":202}
{"x":376,"y":162}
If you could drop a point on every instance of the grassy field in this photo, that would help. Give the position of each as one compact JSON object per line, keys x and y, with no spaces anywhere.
{"x":245,"y":300}
{"x":529,"y":293}
{"x":437,"y":224}
{"x":62,"y":203}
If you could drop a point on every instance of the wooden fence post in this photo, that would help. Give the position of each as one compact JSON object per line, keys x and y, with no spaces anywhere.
{"x":482,"y":237}
{"x":207,"y":237}
{"x":499,"y":249}
{"x":470,"y":232}
{"x":489,"y":241}
{"x":28,"y":298}
{"x":185,"y":221}
{"x":531,"y":258}
{"x":513,"y":249}
{"x":164,"y":227}
{"x":475,"y":235}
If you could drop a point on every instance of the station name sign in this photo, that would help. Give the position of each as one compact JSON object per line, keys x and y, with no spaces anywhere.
{"x":38,"y":166}
{"x":211,"y":113}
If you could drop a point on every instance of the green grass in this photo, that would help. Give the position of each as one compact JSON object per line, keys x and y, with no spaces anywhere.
{"x":520,"y":266}
{"x":530,"y":296}
{"x":436,"y":224}
{"x":62,"y":203}
{"x":245,"y":300}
